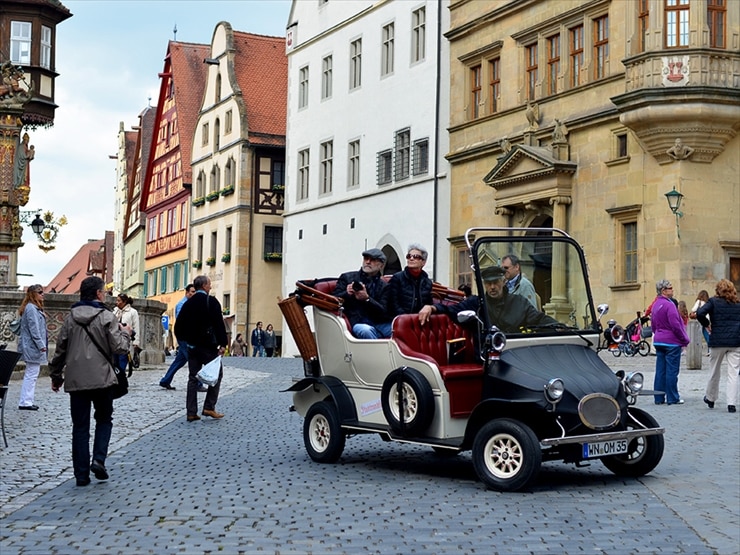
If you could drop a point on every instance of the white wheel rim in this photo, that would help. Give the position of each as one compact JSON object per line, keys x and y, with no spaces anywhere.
{"x":320,"y":433}
{"x":503,"y":456}
{"x":410,"y":406}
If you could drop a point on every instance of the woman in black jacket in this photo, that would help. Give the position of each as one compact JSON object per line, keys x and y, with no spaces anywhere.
{"x":411,"y":288}
{"x":721,"y":316}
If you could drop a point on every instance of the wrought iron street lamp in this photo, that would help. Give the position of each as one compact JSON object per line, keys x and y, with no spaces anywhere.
{"x":674,"y":203}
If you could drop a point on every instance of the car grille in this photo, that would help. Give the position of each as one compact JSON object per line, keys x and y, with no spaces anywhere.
{"x":599,"y":411}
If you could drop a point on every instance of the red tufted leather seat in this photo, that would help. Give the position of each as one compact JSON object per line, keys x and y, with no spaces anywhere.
{"x":463,"y":380}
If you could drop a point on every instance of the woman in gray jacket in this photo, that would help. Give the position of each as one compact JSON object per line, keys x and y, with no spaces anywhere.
{"x":32,"y":343}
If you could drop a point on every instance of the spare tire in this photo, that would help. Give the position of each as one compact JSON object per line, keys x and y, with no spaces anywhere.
{"x":417,"y":401}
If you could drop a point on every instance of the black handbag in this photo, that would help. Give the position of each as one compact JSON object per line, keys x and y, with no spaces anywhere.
{"x":121,"y":387}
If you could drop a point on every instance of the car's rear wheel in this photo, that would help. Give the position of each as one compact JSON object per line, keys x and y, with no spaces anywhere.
{"x":643,"y":453}
{"x":410,"y":411}
{"x":322,"y":433}
{"x":506,"y":455}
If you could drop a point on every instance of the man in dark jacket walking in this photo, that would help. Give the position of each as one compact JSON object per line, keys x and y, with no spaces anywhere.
{"x":201,"y":326}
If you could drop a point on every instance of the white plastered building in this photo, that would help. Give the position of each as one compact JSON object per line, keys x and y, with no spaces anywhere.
{"x":368,"y":103}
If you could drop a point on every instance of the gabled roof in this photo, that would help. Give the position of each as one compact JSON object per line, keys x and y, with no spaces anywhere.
{"x":524,"y":163}
{"x":261,"y":68}
{"x":68,"y":280}
{"x":183,"y":65}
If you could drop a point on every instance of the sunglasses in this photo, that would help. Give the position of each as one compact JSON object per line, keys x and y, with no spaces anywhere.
{"x":414,"y":257}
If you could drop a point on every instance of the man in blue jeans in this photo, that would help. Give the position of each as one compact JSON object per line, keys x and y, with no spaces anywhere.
{"x":181,"y":357}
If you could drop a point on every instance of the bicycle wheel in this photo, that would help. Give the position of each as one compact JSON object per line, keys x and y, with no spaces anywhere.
{"x":643,"y":347}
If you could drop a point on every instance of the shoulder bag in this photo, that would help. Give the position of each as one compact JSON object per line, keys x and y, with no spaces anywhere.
{"x":121,"y":387}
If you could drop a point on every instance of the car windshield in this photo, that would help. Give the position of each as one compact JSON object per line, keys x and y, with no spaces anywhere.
{"x":534,"y":283}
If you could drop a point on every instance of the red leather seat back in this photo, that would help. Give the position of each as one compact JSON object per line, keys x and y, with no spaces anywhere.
{"x":431,"y":338}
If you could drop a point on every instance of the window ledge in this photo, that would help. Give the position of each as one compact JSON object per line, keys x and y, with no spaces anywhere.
{"x":617,"y":161}
{"x":626,"y":287}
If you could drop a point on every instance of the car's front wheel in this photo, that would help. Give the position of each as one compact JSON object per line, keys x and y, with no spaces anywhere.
{"x":322,"y":433}
{"x":506,"y":455}
{"x":643,"y":453}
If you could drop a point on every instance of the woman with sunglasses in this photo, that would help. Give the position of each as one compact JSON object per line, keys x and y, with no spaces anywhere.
{"x":669,"y":337}
{"x":411,"y":288}
{"x":32,"y":343}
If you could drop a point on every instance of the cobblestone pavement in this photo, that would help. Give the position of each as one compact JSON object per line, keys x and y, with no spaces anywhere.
{"x":244,"y":484}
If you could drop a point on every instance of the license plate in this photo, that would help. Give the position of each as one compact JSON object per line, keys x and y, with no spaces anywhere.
{"x":604,"y":448}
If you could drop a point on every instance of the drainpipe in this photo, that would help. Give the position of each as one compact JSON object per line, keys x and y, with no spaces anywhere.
{"x":436,"y":136}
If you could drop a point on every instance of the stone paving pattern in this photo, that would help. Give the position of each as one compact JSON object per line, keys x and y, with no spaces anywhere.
{"x":244,"y":484}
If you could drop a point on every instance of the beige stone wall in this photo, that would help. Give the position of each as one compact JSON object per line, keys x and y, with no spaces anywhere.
{"x":604,"y":185}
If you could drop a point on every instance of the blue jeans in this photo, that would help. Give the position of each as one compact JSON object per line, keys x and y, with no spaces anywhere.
{"x":667,"y":365}
{"x":79,"y":404}
{"x":377,"y":331}
{"x":181,"y":359}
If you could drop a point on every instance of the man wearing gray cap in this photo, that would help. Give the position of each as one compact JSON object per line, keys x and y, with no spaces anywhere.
{"x":510,"y":313}
{"x":364,"y":294}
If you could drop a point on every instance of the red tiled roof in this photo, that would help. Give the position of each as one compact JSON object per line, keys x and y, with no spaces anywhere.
{"x":261,"y":68}
{"x":189,"y":74}
{"x":68,"y":280}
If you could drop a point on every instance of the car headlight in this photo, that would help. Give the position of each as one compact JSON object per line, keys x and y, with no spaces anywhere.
{"x":634,"y":382}
{"x":554,"y":390}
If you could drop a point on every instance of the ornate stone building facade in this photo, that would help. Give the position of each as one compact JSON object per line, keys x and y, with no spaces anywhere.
{"x":582,"y":115}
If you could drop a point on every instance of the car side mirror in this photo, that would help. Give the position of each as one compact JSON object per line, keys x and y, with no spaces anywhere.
{"x":467,"y":315}
{"x":602,"y":309}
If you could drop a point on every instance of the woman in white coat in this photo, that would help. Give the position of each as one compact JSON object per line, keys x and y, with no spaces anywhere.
{"x":32,"y":343}
{"x":128,"y":315}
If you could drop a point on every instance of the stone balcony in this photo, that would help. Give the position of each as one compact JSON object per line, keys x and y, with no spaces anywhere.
{"x":691,"y":94}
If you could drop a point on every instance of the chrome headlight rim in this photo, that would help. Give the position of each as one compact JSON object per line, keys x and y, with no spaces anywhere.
{"x":554,"y":390}
{"x":634,"y":383}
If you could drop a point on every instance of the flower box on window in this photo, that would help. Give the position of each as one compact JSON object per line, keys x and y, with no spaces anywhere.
{"x":226,"y":311}
{"x":211,"y":261}
{"x":212,"y":196}
{"x":273,"y":256}
{"x":227,"y":191}
{"x":200,"y":201}
{"x":197,"y":264}
{"x":278,"y":188}
{"x":226,"y":257}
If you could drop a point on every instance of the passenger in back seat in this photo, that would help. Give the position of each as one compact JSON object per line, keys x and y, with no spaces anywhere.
{"x":364,"y":296}
{"x":411,"y":288}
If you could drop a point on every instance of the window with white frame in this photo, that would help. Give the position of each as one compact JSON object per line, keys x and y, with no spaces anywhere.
{"x":418,"y":34}
{"x":230,"y":173}
{"x":45,"y":60}
{"x":355,"y":64}
{"x":204,"y":134}
{"x":200,"y":185}
{"x":303,"y":166}
{"x":676,"y":23}
{"x":183,"y":216}
{"x":303,"y":87}
{"x":402,"y":154}
{"x":326,"y":76}
{"x":20,"y":42}
{"x":228,"y":121}
{"x":385,"y":167}
{"x":152,"y":235}
{"x":387,"y":52}
{"x":353,"y":164}
{"x":421,"y":156}
{"x":215,"y":179}
{"x":326,"y":150}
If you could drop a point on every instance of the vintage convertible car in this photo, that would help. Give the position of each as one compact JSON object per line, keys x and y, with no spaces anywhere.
{"x":538,"y":392}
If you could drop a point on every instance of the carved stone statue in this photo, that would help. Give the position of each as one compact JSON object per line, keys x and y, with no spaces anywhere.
{"x":679,"y":151}
{"x":560,"y":132}
{"x":23,"y":155}
{"x":533,"y":115}
{"x":505,"y":145}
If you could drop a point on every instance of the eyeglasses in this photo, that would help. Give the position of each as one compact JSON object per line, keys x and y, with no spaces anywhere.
{"x":414,"y":257}
{"x":40,"y":292}
{"x":670,"y":287}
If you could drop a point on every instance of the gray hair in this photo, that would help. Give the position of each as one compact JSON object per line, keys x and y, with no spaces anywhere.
{"x":514,"y":259}
{"x":418,"y":247}
{"x":200,"y":282}
{"x":662,"y":284}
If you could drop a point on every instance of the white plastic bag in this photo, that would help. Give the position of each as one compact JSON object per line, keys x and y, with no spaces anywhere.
{"x":210,"y":371}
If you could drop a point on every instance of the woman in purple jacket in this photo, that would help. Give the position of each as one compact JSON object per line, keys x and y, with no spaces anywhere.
{"x":669,"y":336}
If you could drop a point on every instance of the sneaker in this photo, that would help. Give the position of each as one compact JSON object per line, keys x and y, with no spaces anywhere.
{"x":679,"y":402}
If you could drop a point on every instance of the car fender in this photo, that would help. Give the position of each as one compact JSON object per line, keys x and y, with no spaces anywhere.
{"x":312,"y":389}
{"x":522,"y":411}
